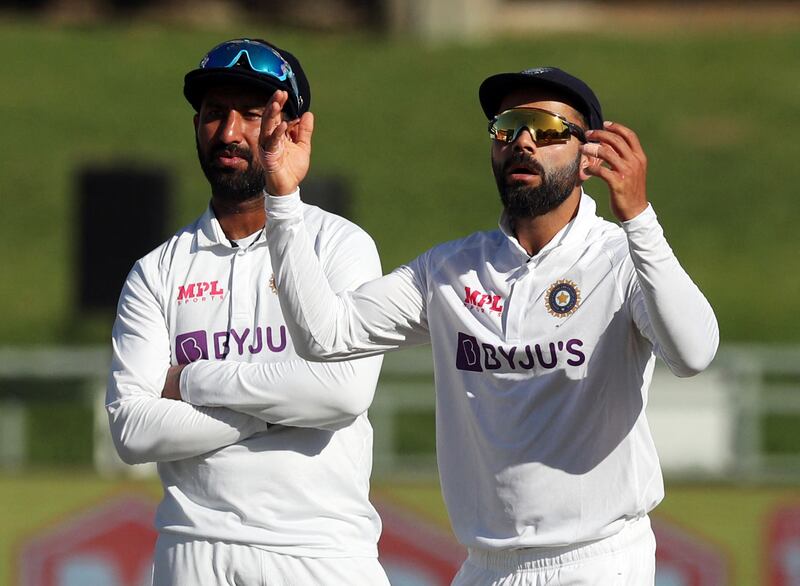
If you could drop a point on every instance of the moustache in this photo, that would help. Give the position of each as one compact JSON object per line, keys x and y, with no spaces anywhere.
{"x":524,"y":160}
{"x":232,"y":150}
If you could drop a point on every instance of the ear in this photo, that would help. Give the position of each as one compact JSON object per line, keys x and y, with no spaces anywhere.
{"x":196,"y":122}
{"x":587,"y":161}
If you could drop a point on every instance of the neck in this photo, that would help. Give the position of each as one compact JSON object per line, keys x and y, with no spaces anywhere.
{"x":241,"y":218}
{"x":533,"y":233}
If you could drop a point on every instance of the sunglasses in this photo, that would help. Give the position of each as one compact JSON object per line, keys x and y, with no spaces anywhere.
{"x":545,"y":127}
{"x":259,"y":57}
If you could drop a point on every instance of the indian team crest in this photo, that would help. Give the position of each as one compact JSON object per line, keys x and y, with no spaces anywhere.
{"x":563,"y":298}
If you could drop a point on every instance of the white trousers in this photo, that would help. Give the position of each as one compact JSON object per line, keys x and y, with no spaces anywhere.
{"x":189,"y":562}
{"x":625,"y":559}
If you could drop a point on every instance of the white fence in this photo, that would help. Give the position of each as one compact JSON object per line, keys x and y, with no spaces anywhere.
{"x":708,"y":427}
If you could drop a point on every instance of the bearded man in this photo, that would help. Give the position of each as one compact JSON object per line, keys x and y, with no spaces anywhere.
{"x":544,"y":334}
{"x":264,"y":458}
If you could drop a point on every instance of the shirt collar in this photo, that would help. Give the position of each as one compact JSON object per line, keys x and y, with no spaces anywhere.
{"x":575,"y":231}
{"x":210,"y":233}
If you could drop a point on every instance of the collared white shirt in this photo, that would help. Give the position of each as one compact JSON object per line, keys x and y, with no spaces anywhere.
{"x":265,"y":449}
{"x":542,"y":364}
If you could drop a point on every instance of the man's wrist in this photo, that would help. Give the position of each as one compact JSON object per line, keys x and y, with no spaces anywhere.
{"x":282,"y":206}
{"x":644,"y":216}
{"x":172,"y":383}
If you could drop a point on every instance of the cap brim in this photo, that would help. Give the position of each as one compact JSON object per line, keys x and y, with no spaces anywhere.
{"x":197,"y":82}
{"x":495,"y":88}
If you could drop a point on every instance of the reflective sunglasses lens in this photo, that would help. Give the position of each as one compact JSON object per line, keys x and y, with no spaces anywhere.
{"x":265,"y":60}
{"x":260,"y":58}
{"x":225,"y":55}
{"x":545,"y":128}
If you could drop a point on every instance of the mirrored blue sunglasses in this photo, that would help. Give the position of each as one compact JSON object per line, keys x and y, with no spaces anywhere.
{"x":259,"y":58}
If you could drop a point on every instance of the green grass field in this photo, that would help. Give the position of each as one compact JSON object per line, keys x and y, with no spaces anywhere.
{"x":732,"y":518}
{"x":717,"y":113}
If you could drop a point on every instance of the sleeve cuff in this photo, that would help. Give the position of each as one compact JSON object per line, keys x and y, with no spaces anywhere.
{"x":283,"y":206}
{"x":184,"y":384}
{"x":644,"y":219}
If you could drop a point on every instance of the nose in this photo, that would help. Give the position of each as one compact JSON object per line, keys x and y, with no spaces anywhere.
{"x":524,"y":141}
{"x":230,"y":131}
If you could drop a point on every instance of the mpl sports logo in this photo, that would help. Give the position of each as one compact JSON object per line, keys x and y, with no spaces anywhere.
{"x":483,"y":302}
{"x":476,"y":356}
{"x":200,"y":291}
{"x":193,"y":346}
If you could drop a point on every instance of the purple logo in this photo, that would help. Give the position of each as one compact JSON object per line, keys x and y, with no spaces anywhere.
{"x":468,"y":354}
{"x":191,"y":347}
{"x":194,"y":346}
{"x":476,"y":356}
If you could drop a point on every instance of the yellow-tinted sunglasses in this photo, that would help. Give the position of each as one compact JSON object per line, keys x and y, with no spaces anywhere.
{"x":545,"y":127}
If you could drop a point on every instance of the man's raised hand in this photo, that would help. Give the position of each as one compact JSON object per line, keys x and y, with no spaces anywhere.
{"x":284,"y":146}
{"x":622,"y":164}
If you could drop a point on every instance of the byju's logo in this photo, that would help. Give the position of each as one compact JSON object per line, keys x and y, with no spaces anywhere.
{"x":200,"y":291}
{"x":191,"y":347}
{"x":468,"y":356}
{"x":483,"y":302}
{"x":478,"y":356}
{"x":194,"y":346}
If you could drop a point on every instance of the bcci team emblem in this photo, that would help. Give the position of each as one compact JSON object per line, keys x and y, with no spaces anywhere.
{"x":562,"y":298}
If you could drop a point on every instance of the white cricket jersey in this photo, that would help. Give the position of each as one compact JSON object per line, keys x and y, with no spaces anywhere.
{"x":542,"y":364}
{"x":265,"y":449}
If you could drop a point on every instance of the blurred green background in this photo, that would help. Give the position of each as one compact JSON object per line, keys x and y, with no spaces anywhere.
{"x":400,"y":121}
{"x":715,"y":108}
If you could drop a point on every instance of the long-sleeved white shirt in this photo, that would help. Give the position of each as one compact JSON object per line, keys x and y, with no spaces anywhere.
{"x":542,"y":364}
{"x":265,"y":448}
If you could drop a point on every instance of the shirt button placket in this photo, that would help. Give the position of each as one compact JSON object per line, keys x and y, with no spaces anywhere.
{"x":240,"y":282}
{"x":517,"y":307}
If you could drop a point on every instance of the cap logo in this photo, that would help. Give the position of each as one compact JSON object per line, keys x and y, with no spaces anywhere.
{"x":537,"y":70}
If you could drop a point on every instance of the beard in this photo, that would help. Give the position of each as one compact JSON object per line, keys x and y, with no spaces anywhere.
{"x":229,"y":184}
{"x":521,"y":200}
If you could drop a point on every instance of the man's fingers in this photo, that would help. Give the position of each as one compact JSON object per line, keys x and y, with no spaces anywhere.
{"x":612,"y":141}
{"x":279,"y":98}
{"x":604,"y":152}
{"x":630,"y":137}
{"x":591,"y":149}
{"x":273,"y":115}
{"x":270,"y":120}
{"x":305,"y":129}
{"x":269,"y":141}
{"x":600,"y":171}
{"x":272,"y":146}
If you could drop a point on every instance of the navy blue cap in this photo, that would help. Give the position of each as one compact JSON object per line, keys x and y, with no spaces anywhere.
{"x":197,"y":82}
{"x":577,"y":94}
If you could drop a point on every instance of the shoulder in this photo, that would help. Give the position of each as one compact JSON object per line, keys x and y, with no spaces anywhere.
{"x":459,"y":254}
{"x":329,"y":229}
{"x":610,"y":238}
{"x":484,"y":241}
{"x":347,"y":253}
{"x":161,"y":259}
